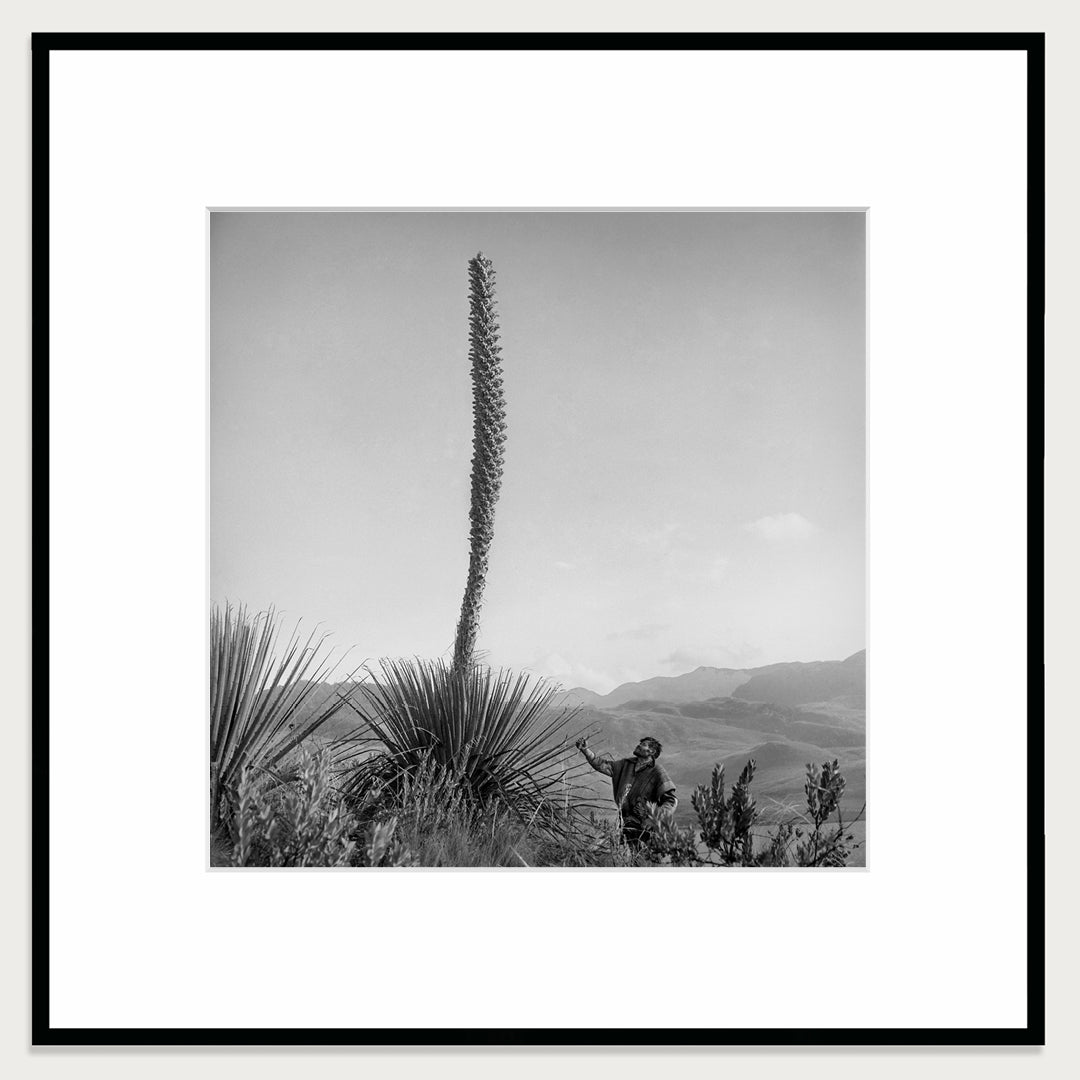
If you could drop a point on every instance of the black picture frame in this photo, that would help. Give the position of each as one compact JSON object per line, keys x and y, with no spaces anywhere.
{"x":44,"y":1034}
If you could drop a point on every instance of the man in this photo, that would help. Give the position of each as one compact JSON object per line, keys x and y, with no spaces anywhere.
{"x":635,"y":781}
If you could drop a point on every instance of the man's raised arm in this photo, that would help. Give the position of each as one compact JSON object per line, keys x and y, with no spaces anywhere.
{"x":600,"y":764}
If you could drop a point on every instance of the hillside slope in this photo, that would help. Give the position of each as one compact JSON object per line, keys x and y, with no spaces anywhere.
{"x":803,"y":684}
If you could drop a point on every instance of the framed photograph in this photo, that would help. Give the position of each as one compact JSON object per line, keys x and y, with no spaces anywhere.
{"x":509,"y":445}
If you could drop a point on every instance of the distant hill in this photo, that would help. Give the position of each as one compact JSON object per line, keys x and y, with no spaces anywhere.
{"x":697,"y":685}
{"x":782,"y":684}
{"x":804,"y":684}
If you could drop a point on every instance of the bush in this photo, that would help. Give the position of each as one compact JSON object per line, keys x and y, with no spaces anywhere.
{"x":727,"y":826}
{"x":306,"y":823}
{"x":823,"y":847}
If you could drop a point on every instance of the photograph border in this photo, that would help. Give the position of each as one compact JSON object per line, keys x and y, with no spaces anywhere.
{"x":1033,"y":1033}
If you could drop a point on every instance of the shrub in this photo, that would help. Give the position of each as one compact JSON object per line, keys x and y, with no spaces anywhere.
{"x":664,"y":841}
{"x":824,"y":846}
{"x":727,"y":826}
{"x":306,"y":823}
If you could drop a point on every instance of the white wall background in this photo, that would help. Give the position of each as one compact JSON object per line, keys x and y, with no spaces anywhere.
{"x":1063,"y":533}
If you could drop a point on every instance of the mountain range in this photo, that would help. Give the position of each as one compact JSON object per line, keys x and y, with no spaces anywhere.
{"x":782,"y":684}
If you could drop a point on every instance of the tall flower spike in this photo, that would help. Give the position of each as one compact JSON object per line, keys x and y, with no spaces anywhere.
{"x":489,"y":437}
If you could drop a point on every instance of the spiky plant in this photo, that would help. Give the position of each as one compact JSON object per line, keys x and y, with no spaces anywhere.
{"x":489,"y":437}
{"x":490,"y":737}
{"x":258,"y":695}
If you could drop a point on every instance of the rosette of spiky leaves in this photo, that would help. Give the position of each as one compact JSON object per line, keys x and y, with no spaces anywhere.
{"x":489,"y":437}
{"x":261,"y":698}
{"x":488,"y":736}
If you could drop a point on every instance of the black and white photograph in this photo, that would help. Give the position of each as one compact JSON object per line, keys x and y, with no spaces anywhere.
{"x":537,"y":539}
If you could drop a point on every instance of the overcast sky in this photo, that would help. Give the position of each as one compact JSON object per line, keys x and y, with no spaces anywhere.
{"x":684,"y":477}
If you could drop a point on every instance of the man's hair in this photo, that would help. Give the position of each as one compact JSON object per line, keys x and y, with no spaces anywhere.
{"x":654,"y":743}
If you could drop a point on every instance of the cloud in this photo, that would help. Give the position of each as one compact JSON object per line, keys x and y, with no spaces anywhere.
{"x":570,"y":674}
{"x":724,"y":656}
{"x":682,"y":661}
{"x":782,"y":528}
{"x":560,"y":565}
